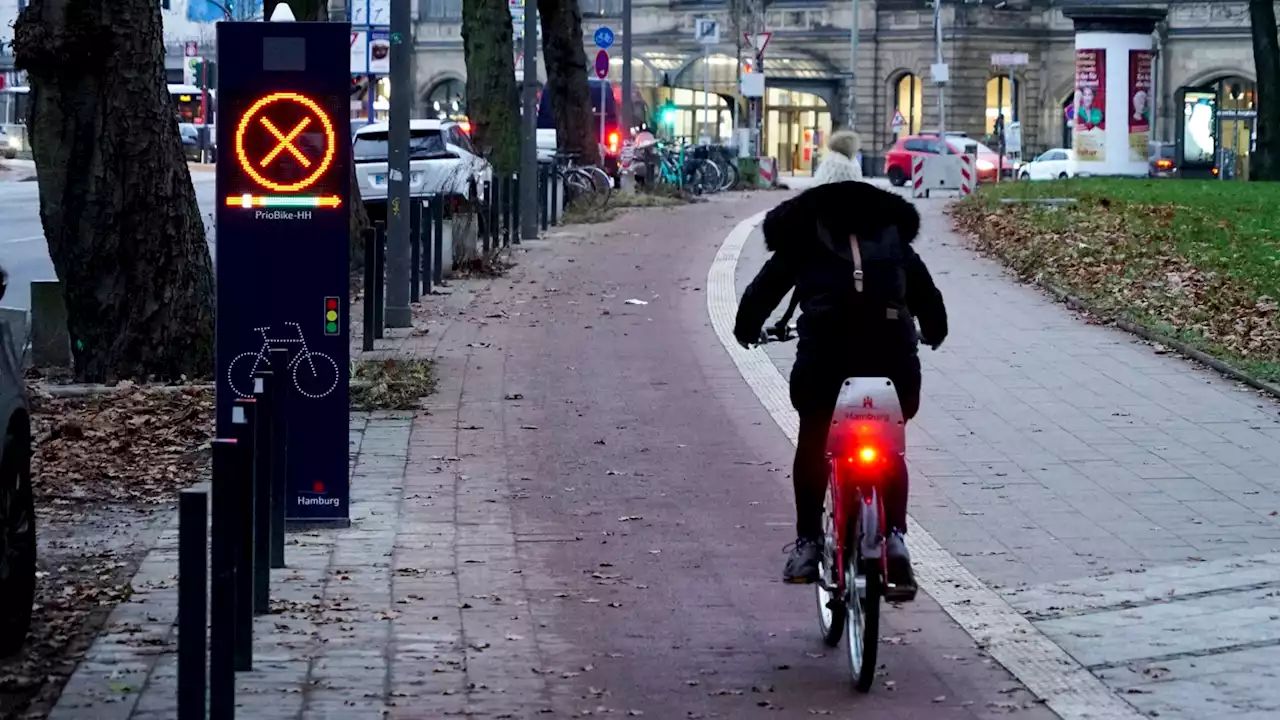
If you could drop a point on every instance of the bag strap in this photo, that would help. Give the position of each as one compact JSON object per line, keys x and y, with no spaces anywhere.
{"x":857,"y":263}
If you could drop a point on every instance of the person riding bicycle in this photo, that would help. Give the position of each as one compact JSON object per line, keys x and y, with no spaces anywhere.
{"x":846,"y":250}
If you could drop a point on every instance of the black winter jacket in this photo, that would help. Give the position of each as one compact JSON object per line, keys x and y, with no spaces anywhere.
{"x":840,"y":329}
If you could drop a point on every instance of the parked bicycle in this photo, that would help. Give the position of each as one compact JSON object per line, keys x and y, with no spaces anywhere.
{"x":584,"y":184}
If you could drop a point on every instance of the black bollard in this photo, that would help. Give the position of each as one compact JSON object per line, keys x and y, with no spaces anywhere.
{"x":380,"y":279}
{"x":437,"y":218}
{"x":544,"y":190}
{"x":415,"y":248}
{"x":370,"y":268}
{"x":425,"y":228}
{"x":222,"y":606}
{"x":263,"y":445}
{"x":516,"y":218}
{"x":244,"y":425}
{"x":193,"y":588}
{"x":509,"y":227}
{"x":554,"y":218}
{"x":279,"y":451}
{"x":486,"y":216}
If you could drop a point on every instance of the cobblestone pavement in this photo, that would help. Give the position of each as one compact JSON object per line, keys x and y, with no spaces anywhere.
{"x":589,"y":523}
{"x":1122,"y":498}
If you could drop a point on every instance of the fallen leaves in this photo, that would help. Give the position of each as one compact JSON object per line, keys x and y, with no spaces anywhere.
{"x":396,"y":383}
{"x":1158,"y":256}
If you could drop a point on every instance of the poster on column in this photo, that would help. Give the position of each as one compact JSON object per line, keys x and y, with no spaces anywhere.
{"x":1090,"y":131}
{"x":1140,"y":88}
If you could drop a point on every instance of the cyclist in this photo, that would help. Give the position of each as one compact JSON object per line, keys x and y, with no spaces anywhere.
{"x":846,"y":250}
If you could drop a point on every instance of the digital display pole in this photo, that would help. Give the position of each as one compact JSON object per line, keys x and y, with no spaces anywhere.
{"x":281,"y":257}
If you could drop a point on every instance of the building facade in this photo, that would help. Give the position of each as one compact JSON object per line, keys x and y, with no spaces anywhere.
{"x":1204,"y":71}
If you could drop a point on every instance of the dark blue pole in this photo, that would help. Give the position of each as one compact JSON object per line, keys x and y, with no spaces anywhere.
{"x":243,"y":424}
{"x":379,"y":279}
{"x":222,"y":616}
{"x":437,"y":215}
{"x":279,"y":452}
{"x":263,"y":444}
{"x":415,"y":249}
{"x":427,"y":227}
{"x":193,"y":586}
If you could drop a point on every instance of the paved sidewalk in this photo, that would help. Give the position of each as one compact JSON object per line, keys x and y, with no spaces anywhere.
{"x":1122,"y":498}
{"x":589,"y":523}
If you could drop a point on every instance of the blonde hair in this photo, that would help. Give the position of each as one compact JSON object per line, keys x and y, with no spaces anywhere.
{"x":845,"y":142}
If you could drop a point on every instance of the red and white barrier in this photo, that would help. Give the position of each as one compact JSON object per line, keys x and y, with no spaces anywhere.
{"x":942,"y":172}
{"x":917,"y":176}
{"x":768,"y":172}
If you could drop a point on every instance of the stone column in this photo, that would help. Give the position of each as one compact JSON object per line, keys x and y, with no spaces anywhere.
{"x":1114,"y":94}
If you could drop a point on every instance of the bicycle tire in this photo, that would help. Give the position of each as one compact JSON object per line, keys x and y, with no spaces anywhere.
{"x":731,"y":176}
{"x":863,"y":638}
{"x":603,"y":183}
{"x":235,"y":370}
{"x":579,"y":189}
{"x":832,"y":613}
{"x":711,"y":177}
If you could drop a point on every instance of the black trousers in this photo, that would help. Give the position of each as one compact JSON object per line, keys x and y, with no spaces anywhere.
{"x":813,"y":394}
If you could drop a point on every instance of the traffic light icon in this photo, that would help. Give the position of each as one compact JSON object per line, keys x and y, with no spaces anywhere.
{"x":201,"y":72}
{"x":331,"y":308}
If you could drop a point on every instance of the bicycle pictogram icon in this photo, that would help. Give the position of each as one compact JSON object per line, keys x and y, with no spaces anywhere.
{"x":314,"y":374}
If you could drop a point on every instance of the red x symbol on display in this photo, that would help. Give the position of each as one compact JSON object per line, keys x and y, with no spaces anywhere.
{"x":286,"y":142}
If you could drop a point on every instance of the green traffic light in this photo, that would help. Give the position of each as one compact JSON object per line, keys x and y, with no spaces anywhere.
{"x":331,"y":327}
{"x":668,"y":115}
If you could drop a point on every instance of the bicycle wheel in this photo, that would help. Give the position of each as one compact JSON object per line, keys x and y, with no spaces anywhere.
{"x":579,"y":188}
{"x":832,"y":613}
{"x":315,"y":375}
{"x":601,"y":180}
{"x":240,"y":373}
{"x":730,"y":175}
{"x":862,"y":632}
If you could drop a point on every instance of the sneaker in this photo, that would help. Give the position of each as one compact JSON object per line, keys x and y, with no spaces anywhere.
{"x":902,"y":580}
{"x":802,"y":564}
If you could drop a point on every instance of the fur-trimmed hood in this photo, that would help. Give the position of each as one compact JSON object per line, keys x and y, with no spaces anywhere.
{"x":837,"y":210}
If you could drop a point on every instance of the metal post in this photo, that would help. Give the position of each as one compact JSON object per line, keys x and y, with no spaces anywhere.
{"x":437,"y":217}
{"x":628,"y":110}
{"x":193,"y":586}
{"x":855,"y":32}
{"x":544,"y":193}
{"x":706,"y":92}
{"x":372,"y":96}
{"x":380,"y":280}
{"x":370,"y":287}
{"x":415,"y":248}
{"x":222,"y":616}
{"x":242,"y":423}
{"x":509,"y":209}
{"x":398,"y":314}
{"x":517,"y":215}
{"x":486,"y":210}
{"x":279,"y":363}
{"x":603,"y":91}
{"x":263,"y":444}
{"x":425,"y":240}
{"x":529,"y":150}
{"x":942,"y":89}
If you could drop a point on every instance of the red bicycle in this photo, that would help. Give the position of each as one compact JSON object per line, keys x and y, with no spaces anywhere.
{"x":866,"y":449}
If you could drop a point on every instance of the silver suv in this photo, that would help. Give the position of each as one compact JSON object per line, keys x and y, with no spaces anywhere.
{"x":17,"y":502}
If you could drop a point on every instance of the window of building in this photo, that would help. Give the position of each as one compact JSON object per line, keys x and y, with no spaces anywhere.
{"x":910,"y":99}
{"x":600,"y":8}
{"x":440,"y":10}
{"x":447,"y":99}
{"x":1002,"y":100}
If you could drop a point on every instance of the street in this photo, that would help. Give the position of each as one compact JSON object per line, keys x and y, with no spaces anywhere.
{"x":590,"y":518}
{"x":23,"y":251}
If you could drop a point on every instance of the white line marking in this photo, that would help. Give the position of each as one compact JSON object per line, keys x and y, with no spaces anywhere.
{"x":1046,"y":669}
{"x":15,"y":241}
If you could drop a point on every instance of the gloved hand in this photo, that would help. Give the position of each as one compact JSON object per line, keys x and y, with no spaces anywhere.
{"x":746,"y":338}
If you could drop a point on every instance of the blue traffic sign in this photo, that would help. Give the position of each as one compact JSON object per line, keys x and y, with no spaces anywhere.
{"x":604,"y":38}
{"x":284,"y":208}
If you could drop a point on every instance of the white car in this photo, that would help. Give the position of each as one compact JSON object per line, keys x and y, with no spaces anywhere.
{"x":1055,"y":164}
{"x":441,"y":160}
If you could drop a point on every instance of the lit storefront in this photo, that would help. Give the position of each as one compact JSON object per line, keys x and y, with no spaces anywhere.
{"x":1217,"y":128}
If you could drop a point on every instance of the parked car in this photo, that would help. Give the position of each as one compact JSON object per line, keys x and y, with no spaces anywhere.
{"x":17,"y":502}
{"x":441,"y":160}
{"x":1161,"y":161}
{"x":611,"y":149}
{"x":898,"y":159}
{"x":1055,"y":164}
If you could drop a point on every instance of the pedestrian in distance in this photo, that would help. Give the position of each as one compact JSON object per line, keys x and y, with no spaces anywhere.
{"x":846,"y":250}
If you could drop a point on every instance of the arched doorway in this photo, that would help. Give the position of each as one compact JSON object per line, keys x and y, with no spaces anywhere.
{"x":908,"y":94}
{"x":1217,"y":128}
{"x":797,"y":125}
{"x":447,"y":99}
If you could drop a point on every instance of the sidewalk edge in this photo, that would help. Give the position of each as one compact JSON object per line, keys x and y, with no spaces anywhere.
{"x":1047,"y":670}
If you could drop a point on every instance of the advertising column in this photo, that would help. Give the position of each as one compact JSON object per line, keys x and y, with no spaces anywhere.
{"x":1113,"y":89}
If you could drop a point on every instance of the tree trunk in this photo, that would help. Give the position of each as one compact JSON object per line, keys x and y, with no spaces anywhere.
{"x":566,"y":63}
{"x":1265,"y":163}
{"x":493,"y":102}
{"x":116,"y":200}
{"x":319,"y":10}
